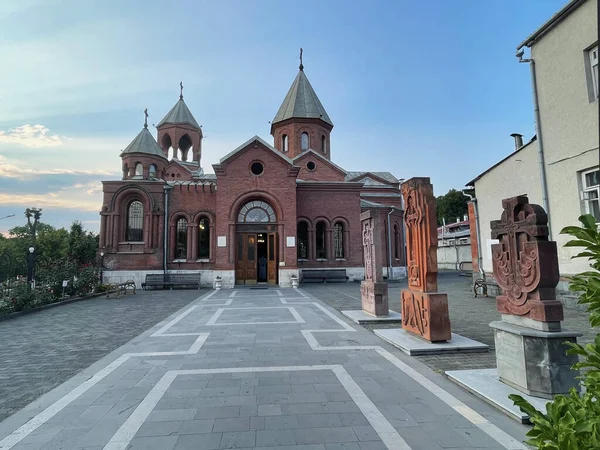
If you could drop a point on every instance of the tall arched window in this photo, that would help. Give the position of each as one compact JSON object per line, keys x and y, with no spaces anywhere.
{"x":302,"y":232}
{"x":304,"y":141}
{"x":152,"y":171}
{"x":323,"y":144}
{"x":125,"y":171}
{"x":338,"y":240}
{"x":284,"y":143}
{"x":135,"y":222}
{"x":396,"y":242}
{"x":181,"y":239}
{"x":139,"y":170}
{"x":204,"y":238}
{"x":321,"y":246}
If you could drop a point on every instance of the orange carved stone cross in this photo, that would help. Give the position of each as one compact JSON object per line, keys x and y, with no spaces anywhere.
{"x":525,"y":263}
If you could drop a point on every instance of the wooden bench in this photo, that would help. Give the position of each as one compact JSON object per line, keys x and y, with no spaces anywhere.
{"x":121,"y":288}
{"x":324,"y":275}
{"x":482,"y":284}
{"x":171,"y":280}
{"x":154,"y":280}
{"x":183,"y":279}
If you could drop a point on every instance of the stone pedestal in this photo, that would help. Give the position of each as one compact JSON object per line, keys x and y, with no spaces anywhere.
{"x":425,"y":314}
{"x":535,"y":361}
{"x":374,"y":297}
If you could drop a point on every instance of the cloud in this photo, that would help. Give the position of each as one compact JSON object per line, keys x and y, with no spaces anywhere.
{"x":10,"y":169}
{"x":31,"y":136}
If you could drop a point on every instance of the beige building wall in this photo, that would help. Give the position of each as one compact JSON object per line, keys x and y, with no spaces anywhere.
{"x":569,"y":119}
{"x":517,"y":175}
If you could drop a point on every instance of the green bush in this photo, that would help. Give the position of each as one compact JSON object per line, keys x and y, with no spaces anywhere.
{"x":572,"y":422}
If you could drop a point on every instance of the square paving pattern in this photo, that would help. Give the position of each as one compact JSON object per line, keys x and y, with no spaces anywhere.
{"x":258,"y":369}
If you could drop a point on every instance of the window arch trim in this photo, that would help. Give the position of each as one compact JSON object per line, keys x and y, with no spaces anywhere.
{"x":256,"y":211}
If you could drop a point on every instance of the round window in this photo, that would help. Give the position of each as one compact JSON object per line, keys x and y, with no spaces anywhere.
{"x":311,"y":166}
{"x":257,"y":168}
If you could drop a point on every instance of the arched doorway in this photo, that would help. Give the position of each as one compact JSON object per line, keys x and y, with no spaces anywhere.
{"x":256,"y":244}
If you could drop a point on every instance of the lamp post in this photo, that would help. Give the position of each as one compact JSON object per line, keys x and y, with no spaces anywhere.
{"x":101,"y":267}
{"x":30,"y":266}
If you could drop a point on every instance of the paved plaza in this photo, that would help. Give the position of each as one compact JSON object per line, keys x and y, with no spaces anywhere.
{"x":258,"y":368}
{"x":41,"y":350}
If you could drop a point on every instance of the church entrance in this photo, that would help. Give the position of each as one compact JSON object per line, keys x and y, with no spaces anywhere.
{"x":256,"y":244}
{"x":256,"y":258}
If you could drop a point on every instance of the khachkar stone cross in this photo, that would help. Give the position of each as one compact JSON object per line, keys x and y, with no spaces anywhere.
{"x":530,"y":350}
{"x":374,"y":292}
{"x":525,"y":263}
{"x":424,"y":310}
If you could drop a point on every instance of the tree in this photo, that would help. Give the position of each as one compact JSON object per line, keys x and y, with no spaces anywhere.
{"x":451,"y":206}
{"x":82,"y":245}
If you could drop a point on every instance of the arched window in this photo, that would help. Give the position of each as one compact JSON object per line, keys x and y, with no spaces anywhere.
{"x":204,"y":238}
{"x":396,"y":242}
{"x":302,"y":232}
{"x":256,"y":211}
{"x":139,"y":170}
{"x":321,"y":246}
{"x":135,"y":222}
{"x":304,"y":141}
{"x":284,"y":143}
{"x":338,"y":240}
{"x":152,"y":171}
{"x":181,"y":239}
{"x":323,"y":144}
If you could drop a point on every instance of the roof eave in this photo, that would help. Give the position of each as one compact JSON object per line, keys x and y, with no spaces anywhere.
{"x":551,"y":23}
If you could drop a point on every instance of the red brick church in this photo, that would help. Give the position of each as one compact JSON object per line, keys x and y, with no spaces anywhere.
{"x":267,"y":213}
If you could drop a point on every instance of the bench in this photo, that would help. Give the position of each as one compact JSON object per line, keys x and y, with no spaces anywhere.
{"x":324,"y":275}
{"x":121,"y":288}
{"x":171,"y":280}
{"x":482,"y":284}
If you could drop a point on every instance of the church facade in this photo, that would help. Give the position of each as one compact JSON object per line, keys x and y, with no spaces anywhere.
{"x":266,"y":214}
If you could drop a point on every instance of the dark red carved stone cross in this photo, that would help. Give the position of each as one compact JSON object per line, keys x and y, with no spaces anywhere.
{"x":374,"y":292}
{"x":525,"y":262}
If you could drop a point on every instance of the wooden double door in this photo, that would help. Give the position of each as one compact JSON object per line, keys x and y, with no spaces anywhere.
{"x":256,"y":258}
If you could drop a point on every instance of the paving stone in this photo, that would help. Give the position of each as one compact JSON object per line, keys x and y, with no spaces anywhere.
{"x":171,"y":414}
{"x":269,"y":410}
{"x":197,"y":426}
{"x":210,"y":441}
{"x":325,"y":435}
{"x":319,"y":420}
{"x":281,"y":422}
{"x":233,"y":424}
{"x":239,"y":439}
{"x":153,"y":443}
{"x":159,"y":428}
{"x":219,"y":412}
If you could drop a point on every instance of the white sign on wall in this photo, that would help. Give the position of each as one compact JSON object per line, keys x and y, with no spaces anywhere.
{"x":221,"y":241}
{"x":291,"y":241}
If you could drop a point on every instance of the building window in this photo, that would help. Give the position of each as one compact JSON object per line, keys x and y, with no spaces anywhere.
{"x":302,"y":232}
{"x":256,"y":211}
{"x":593,"y":55}
{"x":257,"y":168}
{"x":311,"y":166}
{"x":590,"y":181}
{"x":284,"y":143}
{"x":304,"y":141}
{"x":139,"y":170}
{"x":152,"y":171}
{"x":204,"y":238}
{"x":323,"y":144}
{"x":338,"y":240}
{"x":135,"y":222}
{"x":181,"y":239}
{"x":321,"y":241}
{"x":396,"y":242}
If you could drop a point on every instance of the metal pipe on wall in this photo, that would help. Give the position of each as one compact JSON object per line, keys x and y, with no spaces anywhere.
{"x":473,"y":200}
{"x":389,"y":229}
{"x":166,"y":228}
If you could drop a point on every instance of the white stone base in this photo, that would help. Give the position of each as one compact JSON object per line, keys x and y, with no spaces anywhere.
{"x":121,"y":276}
{"x":398,"y":273}
{"x":485,"y":384}
{"x":414,"y":345}
{"x":360,"y":317}
{"x":285,"y":277}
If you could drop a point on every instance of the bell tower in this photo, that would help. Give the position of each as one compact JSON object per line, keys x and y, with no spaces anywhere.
{"x":301,"y":122}
{"x":179,"y":135}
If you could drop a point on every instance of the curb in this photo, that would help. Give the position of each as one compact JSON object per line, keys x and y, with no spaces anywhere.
{"x":16,"y":314}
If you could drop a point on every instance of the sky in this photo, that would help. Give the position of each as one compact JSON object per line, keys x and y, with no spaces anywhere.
{"x":418,"y":88}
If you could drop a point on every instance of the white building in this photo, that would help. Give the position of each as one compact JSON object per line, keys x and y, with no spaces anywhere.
{"x":559,"y":168}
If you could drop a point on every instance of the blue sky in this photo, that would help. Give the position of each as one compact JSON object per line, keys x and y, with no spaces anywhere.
{"x":420,"y":88}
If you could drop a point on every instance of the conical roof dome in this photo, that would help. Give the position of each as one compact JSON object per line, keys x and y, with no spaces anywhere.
{"x":179,"y":114}
{"x":144,"y":142}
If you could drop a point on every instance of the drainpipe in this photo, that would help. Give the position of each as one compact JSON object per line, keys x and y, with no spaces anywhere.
{"x":390,"y":243}
{"x":167,"y":188}
{"x":538,"y":131}
{"x":477,"y":232}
